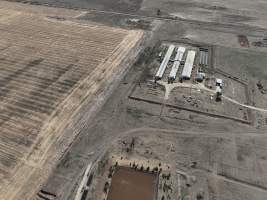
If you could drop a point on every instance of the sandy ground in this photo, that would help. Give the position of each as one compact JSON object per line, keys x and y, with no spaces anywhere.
{"x":230,"y":11}
{"x":231,"y":155}
{"x":121,"y":115}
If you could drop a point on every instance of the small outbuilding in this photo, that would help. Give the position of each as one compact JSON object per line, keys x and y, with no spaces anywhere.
{"x":219,"y":82}
{"x":200,"y":77}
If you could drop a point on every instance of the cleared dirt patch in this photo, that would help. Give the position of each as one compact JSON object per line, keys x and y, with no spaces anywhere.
{"x":131,"y":185}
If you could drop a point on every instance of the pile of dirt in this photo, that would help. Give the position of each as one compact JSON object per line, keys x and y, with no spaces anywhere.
{"x":243,"y":41}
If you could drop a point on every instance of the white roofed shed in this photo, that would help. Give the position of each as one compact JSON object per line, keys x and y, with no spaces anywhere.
{"x":188,"y":66}
{"x":177,"y":62}
{"x":165,"y":62}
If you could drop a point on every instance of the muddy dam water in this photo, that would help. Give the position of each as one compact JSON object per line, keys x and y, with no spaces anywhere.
{"x":132,"y":185}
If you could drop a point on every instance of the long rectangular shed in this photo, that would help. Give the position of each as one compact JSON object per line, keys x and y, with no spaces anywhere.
{"x":176,"y":64}
{"x":204,"y":55}
{"x":164,"y":63}
{"x":188,"y":66}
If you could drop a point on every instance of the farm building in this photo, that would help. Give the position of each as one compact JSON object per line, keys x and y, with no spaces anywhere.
{"x":188,"y":66}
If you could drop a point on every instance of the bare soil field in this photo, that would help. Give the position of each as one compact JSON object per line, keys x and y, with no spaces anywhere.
{"x":228,"y":12}
{"x":49,"y":68}
{"x":252,"y":70}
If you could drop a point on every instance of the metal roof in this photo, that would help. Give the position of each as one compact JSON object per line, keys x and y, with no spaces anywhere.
{"x":165,"y":61}
{"x":177,"y":61}
{"x":203,"y":56}
{"x":219,"y":81}
{"x":188,"y":66}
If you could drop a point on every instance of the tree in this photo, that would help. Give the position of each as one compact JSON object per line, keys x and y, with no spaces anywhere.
{"x":158,"y":12}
